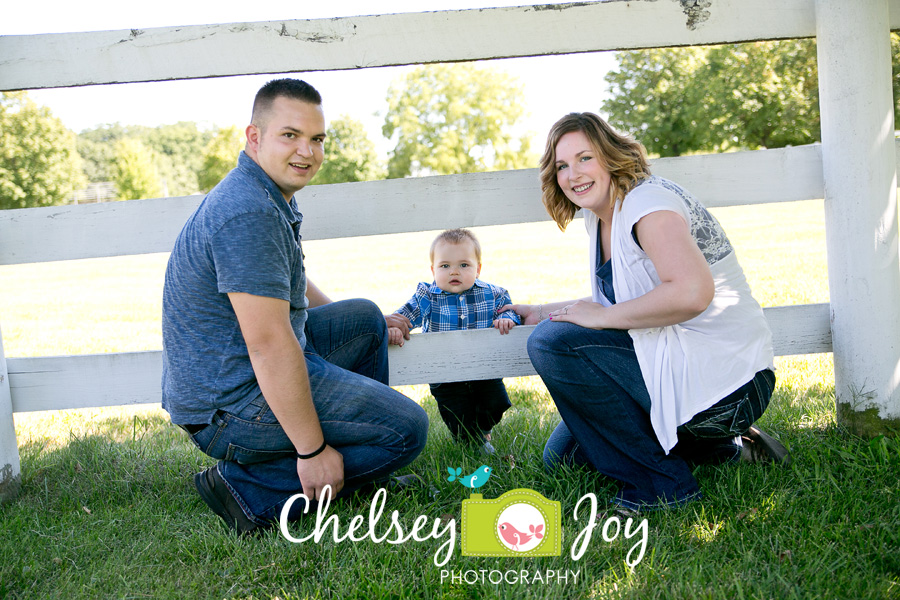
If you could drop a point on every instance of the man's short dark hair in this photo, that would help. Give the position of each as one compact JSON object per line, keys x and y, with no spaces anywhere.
{"x":296,"y":89}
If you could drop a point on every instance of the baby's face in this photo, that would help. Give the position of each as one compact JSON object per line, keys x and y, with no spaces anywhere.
{"x":455,"y":266}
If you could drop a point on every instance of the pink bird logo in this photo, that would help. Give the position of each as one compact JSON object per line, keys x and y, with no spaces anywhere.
{"x":514,"y":537}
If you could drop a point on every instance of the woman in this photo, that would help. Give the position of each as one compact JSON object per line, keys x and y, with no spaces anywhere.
{"x":670,"y":361}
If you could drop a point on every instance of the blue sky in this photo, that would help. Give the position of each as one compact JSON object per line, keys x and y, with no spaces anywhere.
{"x":553,"y":85}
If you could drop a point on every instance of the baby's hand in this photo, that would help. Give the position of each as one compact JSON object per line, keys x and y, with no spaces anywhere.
{"x":395,"y":336}
{"x":504,"y":325}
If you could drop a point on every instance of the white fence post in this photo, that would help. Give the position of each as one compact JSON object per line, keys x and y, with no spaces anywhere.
{"x":859,"y":162}
{"x":10,"y":475}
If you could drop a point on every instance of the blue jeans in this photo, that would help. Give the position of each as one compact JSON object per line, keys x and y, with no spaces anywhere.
{"x":595,"y":381}
{"x":376,"y":429}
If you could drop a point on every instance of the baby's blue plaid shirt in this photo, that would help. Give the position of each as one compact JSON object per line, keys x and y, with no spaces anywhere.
{"x":433,"y":309}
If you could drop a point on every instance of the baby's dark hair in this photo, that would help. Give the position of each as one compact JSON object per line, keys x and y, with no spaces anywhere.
{"x":457,"y":236}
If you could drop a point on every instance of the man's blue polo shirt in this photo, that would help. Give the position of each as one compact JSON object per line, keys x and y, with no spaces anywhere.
{"x":244,"y":237}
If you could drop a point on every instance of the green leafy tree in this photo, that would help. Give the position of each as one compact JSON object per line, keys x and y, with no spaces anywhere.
{"x":179,"y":155}
{"x":97,"y":146}
{"x":39,"y":162}
{"x":349,"y":154}
{"x":762,"y":94}
{"x":135,"y":173}
{"x":718,"y":98}
{"x":177,"y":150}
{"x":455,"y":118}
{"x":655,"y":97}
{"x":220,"y":156}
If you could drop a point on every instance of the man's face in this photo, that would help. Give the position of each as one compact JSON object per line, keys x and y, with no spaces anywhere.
{"x":288,"y":143}
{"x":455,"y":266}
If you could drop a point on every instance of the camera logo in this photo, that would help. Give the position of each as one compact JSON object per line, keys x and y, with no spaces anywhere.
{"x":519,"y":523}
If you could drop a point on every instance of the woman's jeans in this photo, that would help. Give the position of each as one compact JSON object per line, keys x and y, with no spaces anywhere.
{"x":376,"y":429}
{"x":596,"y":382}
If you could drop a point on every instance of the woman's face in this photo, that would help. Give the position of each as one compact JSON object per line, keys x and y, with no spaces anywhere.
{"x":580,"y":174}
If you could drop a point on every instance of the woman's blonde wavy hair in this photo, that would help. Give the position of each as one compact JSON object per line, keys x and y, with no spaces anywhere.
{"x":621,"y":155}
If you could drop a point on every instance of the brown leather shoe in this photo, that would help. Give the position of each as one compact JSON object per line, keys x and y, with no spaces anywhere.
{"x":760,"y":447}
{"x":215,"y":493}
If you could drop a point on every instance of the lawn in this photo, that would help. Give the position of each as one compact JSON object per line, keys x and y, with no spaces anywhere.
{"x":107,"y":508}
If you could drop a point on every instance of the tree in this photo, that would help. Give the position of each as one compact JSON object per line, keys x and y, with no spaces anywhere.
{"x":762,"y":94}
{"x":736,"y":96}
{"x":220,"y":156}
{"x":39,"y":162}
{"x":179,"y":155}
{"x":135,"y":172}
{"x":349,"y":154}
{"x":655,"y":97}
{"x":455,"y":118}
{"x":97,"y":147}
{"x":177,"y":150}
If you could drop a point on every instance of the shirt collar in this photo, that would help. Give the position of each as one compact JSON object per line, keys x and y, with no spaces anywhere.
{"x":288,"y":210}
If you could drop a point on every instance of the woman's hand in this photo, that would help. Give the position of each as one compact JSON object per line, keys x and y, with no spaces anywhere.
{"x":582,"y":312}
{"x":530,"y":313}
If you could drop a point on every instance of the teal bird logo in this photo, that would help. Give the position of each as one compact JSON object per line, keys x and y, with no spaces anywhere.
{"x":474,"y":480}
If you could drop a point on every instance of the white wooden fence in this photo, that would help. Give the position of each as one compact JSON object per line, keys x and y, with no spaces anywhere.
{"x":144,"y":226}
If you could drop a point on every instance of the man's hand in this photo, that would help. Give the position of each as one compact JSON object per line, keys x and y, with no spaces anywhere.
{"x":504,"y":325}
{"x":399,"y":322}
{"x":325,"y":469}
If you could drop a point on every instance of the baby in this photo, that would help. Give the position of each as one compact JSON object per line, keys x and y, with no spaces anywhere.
{"x":457,"y":299}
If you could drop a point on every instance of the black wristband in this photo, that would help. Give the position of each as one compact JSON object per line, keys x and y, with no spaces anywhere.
{"x":314,"y":453}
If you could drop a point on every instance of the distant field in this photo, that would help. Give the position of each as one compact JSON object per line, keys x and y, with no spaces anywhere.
{"x":114,"y":304}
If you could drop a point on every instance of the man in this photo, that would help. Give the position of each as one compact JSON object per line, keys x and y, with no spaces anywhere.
{"x":263,"y":371}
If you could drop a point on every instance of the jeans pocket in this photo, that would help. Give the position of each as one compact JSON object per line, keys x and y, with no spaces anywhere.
{"x":242,"y":441}
{"x":755,"y":401}
{"x":717,"y":421}
{"x":735,"y":413}
{"x":249,"y":456}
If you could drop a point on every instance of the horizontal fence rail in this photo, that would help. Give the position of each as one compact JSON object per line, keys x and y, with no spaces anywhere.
{"x":54,"y":383}
{"x":197,"y":51}
{"x":292,"y":46}
{"x":396,"y":206}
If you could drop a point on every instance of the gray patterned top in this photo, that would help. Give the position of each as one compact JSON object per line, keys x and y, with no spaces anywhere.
{"x":705,"y":229}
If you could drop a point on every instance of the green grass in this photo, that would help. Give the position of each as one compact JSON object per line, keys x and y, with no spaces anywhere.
{"x":107,"y":508}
